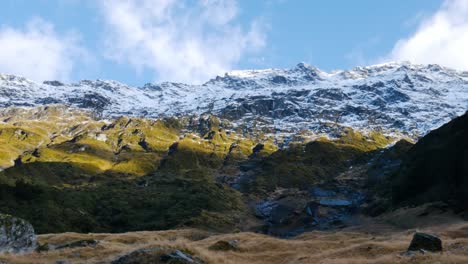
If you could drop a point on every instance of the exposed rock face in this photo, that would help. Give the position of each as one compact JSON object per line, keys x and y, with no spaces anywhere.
{"x":402,"y":97}
{"x":291,"y":212}
{"x":16,"y":235}
{"x":425,"y":242}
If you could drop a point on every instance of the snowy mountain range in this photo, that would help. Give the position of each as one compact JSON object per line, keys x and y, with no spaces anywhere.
{"x":394,"y":97}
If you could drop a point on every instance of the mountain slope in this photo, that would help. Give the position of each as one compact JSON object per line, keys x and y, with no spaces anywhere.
{"x":398,"y":98}
{"x":436,"y":167}
{"x":275,"y":151}
{"x":129,"y":173}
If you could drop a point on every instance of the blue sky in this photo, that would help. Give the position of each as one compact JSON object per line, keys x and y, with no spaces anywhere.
{"x":139,"y":41}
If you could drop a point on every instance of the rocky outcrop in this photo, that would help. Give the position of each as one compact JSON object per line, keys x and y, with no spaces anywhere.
{"x":157,"y":256}
{"x":403,"y":97}
{"x":423,"y":241}
{"x":16,"y":235}
{"x":223,"y":245}
{"x":290,"y":212}
{"x":179,"y":257}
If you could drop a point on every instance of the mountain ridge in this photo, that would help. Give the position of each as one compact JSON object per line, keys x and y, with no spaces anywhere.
{"x":396,"y":98}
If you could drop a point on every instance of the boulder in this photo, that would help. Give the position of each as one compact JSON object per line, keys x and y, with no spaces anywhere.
{"x":77,"y":243}
{"x":223,"y":245}
{"x":156,"y":256}
{"x":16,"y":235}
{"x":423,"y":241}
{"x":179,"y":257}
{"x":139,"y":256}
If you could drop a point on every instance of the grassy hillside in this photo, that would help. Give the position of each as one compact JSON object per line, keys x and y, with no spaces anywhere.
{"x":114,"y":176}
{"x":64,"y":170}
{"x":302,"y":165}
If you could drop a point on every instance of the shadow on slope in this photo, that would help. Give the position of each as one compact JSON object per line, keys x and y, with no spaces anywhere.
{"x":436,"y":168}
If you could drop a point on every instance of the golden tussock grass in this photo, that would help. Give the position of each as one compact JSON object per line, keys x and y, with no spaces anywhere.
{"x":357,"y":247}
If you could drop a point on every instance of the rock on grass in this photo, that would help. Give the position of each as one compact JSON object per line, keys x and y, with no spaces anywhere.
{"x":423,"y":241}
{"x":157,"y":256}
{"x":16,"y":235}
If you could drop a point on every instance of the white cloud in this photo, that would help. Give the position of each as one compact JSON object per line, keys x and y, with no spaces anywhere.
{"x":38,"y":52}
{"x":359,"y":54}
{"x":177,"y":41}
{"x":441,"y":38}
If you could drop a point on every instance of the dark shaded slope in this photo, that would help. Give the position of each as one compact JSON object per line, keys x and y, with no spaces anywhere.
{"x":436,"y":168}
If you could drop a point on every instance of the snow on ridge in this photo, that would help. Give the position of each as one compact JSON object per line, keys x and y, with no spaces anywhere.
{"x":249,"y":73}
{"x":394,"y":96}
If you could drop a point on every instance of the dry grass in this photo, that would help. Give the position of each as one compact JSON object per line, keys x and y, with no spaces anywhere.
{"x":358,"y":246}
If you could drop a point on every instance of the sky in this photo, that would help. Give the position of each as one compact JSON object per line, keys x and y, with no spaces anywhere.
{"x":192,"y":41}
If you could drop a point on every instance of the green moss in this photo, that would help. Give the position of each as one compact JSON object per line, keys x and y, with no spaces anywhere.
{"x":364,"y":142}
{"x":268,"y":148}
{"x":137,"y":164}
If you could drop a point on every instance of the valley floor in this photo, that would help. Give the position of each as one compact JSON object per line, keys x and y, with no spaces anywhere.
{"x":383,"y":241}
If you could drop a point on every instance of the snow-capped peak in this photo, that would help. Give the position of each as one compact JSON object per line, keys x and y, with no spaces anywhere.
{"x":394,"y":97}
